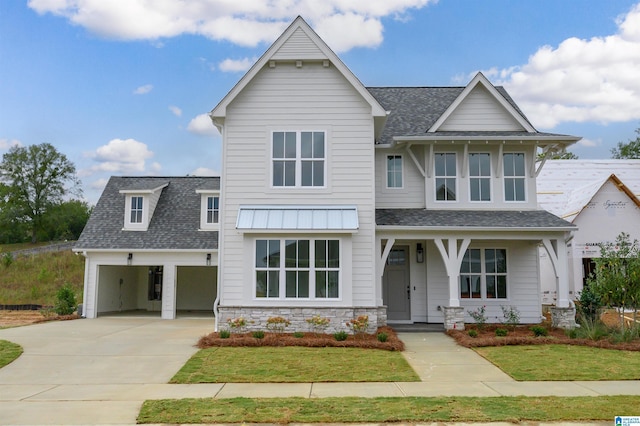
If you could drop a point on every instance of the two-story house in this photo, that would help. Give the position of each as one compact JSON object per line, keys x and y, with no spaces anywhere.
{"x":406,"y":204}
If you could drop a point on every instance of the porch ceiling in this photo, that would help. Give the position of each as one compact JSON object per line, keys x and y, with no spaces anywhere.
{"x":477,"y":220}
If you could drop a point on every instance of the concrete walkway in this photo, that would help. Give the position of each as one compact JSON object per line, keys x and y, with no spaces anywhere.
{"x":100,"y":371}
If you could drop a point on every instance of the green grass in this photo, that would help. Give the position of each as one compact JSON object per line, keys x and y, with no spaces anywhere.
{"x":294,"y":365}
{"x":8,"y":352}
{"x":381,"y":410}
{"x":563,"y":362}
{"x":35,"y":279}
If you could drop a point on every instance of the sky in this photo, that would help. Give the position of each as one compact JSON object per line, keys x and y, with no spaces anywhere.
{"x":123,"y":87}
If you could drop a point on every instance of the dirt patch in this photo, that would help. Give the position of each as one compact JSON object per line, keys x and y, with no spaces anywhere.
{"x":369,"y":341}
{"x":18,"y":318}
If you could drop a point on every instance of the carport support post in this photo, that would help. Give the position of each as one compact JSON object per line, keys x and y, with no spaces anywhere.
{"x":169,"y":292}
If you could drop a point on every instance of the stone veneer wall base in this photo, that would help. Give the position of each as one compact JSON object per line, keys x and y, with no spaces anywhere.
{"x":453,"y":317}
{"x":257,"y":317}
{"x":563,"y":317}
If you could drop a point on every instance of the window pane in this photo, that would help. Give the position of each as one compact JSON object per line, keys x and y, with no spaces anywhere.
{"x":491,"y":287}
{"x":290,"y":254}
{"x":274,"y":253}
{"x":306,"y":145}
{"x":321,"y":253}
{"x":274,"y":282}
{"x":475,"y":287}
{"x":278,"y":145}
{"x":474,"y":185}
{"x":318,"y":173}
{"x":261,"y":283}
{"x":318,"y":145}
{"x":210,"y":216}
{"x":440,"y":164}
{"x":509,"y":191}
{"x":303,"y":253}
{"x":501,"y":261}
{"x":261,"y":253}
{"x":465,"y":266}
{"x":278,"y":173}
{"x":485,"y":164}
{"x":519,"y":189}
{"x":289,"y":173}
{"x":490,"y":261}
{"x":307,"y":173}
{"x":508,"y":165}
{"x":216,"y":213}
{"x":502,"y":287}
{"x":209,"y":203}
{"x":216,"y":202}
{"x":292,"y":287}
{"x":334,"y":253}
{"x":303,"y":284}
{"x":332,"y":285}
{"x":474,"y":260}
{"x":450,"y":164}
{"x":290,"y":145}
{"x":518,"y":164}
{"x":465,"y":286}
{"x":474,"y":164}
{"x":321,"y":284}
{"x":485,"y":189}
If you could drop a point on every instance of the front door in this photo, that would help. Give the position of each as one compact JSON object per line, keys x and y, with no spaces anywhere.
{"x":396,"y":290}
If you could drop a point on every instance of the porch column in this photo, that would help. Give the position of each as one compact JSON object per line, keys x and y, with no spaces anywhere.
{"x":563,"y":315}
{"x":169,"y":291}
{"x":452,"y":256}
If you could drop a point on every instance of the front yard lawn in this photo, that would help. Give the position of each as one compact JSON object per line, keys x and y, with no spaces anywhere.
{"x":563,"y":362}
{"x":8,"y":352}
{"x":294,"y":365}
{"x":382,"y":410}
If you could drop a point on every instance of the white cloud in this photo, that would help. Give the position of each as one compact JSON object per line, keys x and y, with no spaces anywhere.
{"x":236,"y":65}
{"x":9,"y":143}
{"x":589,"y":143}
{"x":143,"y":90}
{"x":580,"y":80}
{"x":121,"y":156}
{"x":202,"y":125}
{"x":175,"y":110}
{"x":99,"y":184}
{"x":345,"y":24}
{"x":204,"y":171}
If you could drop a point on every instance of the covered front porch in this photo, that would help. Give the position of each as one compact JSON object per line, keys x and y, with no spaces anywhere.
{"x":438,"y":274}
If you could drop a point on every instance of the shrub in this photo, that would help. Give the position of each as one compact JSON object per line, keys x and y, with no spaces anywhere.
{"x":472,"y":333}
{"x":318,"y":324}
{"x":258,"y":334}
{"x":359,"y":325}
{"x":625,"y":335}
{"x":539,"y":331}
{"x":340,"y":335}
{"x":225,"y":334}
{"x":298,"y":334}
{"x":277,"y":324}
{"x":589,"y":306}
{"x":511,"y":316}
{"x":501,"y":332}
{"x":479,"y":316}
{"x":237,"y":324}
{"x":382,"y":337}
{"x":593,"y":330}
{"x":65,"y":301}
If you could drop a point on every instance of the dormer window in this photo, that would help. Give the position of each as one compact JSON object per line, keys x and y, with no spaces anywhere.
{"x":213,"y":209}
{"x":136,"y":209}
{"x":209,"y":209}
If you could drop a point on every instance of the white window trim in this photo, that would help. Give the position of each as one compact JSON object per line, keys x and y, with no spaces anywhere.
{"x":489,"y":178}
{"x":523,"y":177}
{"x":456,"y":177}
{"x":282,"y":285}
{"x":204,"y":195}
{"x":136,"y":226}
{"x":483,"y":277}
{"x":298,"y":160}
{"x":386,"y":177}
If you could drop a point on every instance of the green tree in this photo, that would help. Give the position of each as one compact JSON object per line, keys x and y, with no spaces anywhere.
{"x":629,"y":150}
{"x":617,"y":277}
{"x":65,"y":221}
{"x":36,"y":178}
{"x":564,"y":155}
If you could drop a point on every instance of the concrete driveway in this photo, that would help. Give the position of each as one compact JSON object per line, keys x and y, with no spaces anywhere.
{"x":95,"y":371}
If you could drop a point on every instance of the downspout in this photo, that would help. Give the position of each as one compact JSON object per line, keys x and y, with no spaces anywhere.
{"x":216,"y":313}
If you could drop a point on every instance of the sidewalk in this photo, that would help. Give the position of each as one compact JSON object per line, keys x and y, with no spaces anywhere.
{"x":100,"y":371}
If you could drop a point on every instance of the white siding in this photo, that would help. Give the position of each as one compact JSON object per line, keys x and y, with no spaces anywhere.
{"x":411,"y":195}
{"x":480,"y":111}
{"x":288,"y":98}
{"x":298,"y":46}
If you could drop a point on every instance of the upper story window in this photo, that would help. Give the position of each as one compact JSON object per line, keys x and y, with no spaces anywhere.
{"x":514,"y":177}
{"x":136,"y":209}
{"x":297,"y":269}
{"x":213,"y":209}
{"x":480,"y":176}
{"x":394,"y":171}
{"x":445,"y":173}
{"x":298,"y":159}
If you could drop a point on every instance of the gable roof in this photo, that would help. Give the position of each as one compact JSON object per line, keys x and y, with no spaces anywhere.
{"x":174,"y":225}
{"x":413,"y":111}
{"x":565,"y":187}
{"x":316,"y":49}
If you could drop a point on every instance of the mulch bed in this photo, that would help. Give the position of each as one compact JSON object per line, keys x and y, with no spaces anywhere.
{"x":522,"y":335}
{"x":315,"y":340}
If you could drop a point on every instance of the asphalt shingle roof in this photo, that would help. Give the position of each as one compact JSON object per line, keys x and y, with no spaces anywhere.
{"x":175,"y":223}
{"x":534,"y":219}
